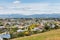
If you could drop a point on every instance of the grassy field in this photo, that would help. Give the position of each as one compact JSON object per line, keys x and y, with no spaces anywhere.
{"x":50,"y":35}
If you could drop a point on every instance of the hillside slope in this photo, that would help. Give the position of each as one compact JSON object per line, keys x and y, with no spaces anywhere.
{"x":50,"y":35}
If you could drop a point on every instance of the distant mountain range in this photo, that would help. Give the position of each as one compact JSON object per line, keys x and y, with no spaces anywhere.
{"x":30,"y":16}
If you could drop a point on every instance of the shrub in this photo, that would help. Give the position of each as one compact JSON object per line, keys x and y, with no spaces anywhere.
{"x":37,"y":31}
{"x":56,"y":26}
{"x":47,"y":26}
{"x":20,"y":34}
{"x":27,"y":33}
{"x":15,"y":35}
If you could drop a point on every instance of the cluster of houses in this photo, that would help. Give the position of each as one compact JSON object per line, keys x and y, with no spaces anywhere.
{"x":24,"y":24}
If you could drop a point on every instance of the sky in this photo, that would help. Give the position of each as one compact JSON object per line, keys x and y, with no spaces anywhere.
{"x":29,"y":7}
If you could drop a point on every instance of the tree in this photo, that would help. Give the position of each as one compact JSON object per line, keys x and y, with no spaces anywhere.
{"x":47,"y":26}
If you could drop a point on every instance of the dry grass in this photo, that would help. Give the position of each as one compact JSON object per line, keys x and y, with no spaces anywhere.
{"x":50,"y":35}
{"x":53,"y":38}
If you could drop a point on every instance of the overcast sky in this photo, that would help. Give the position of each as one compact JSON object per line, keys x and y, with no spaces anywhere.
{"x":29,"y":7}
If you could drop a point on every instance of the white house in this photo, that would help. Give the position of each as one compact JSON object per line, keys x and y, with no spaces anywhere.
{"x":1,"y":38}
{"x":2,"y":26}
{"x":20,"y":30}
{"x":5,"y":35}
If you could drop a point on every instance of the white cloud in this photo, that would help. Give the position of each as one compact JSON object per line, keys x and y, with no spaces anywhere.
{"x":31,"y":8}
{"x":15,"y":2}
{"x":1,"y":7}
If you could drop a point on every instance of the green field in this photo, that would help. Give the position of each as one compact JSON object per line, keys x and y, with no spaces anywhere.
{"x":50,"y":35}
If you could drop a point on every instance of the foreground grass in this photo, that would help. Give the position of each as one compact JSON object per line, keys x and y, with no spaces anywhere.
{"x":50,"y":35}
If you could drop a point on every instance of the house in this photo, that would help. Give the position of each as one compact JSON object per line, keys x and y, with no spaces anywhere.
{"x":5,"y":35}
{"x":19,"y":30}
{"x":1,"y":38}
{"x":22,"y":28}
{"x":52,"y":26}
{"x":2,"y":27}
{"x":39,"y":27}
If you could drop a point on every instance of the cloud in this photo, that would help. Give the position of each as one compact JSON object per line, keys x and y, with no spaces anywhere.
{"x":15,"y":2}
{"x":31,"y":8}
{"x":1,"y":7}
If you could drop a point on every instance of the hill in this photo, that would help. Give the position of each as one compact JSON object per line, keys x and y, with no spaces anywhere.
{"x":50,"y":35}
{"x":30,"y":16}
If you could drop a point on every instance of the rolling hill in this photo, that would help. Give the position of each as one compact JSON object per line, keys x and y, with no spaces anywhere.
{"x":30,"y":16}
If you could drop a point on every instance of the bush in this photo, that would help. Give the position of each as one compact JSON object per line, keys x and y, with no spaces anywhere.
{"x":5,"y":39}
{"x":57,"y":26}
{"x":27,"y":33}
{"x":37,"y":31}
{"x":44,"y":30}
{"x":47,"y":26}
{"x":15,"y":35}
{"x":20,"y":34}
